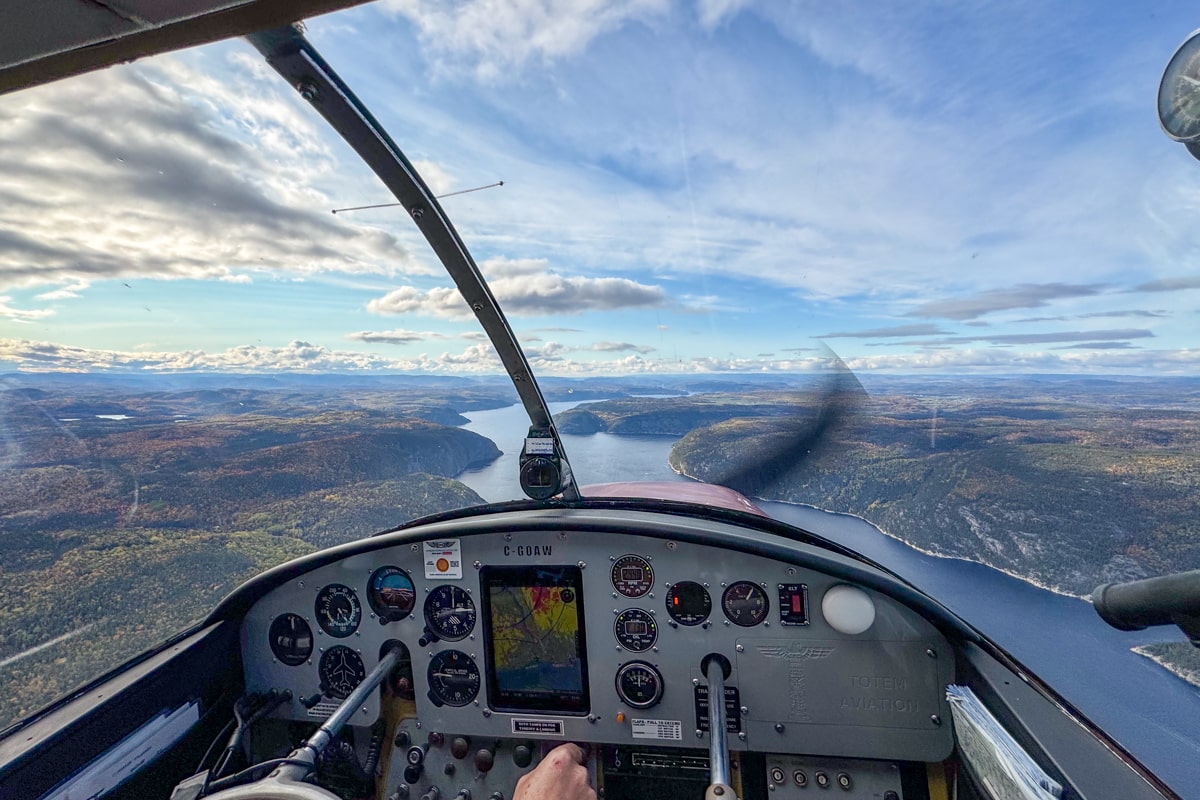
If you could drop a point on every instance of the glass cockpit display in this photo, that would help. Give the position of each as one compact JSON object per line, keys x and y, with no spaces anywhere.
{"x":534,"y":639}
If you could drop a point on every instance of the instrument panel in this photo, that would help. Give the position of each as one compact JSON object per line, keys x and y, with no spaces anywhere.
{"x":595,"y":636}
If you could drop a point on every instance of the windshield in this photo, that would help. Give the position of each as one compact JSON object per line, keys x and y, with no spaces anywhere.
{"x":697,"y":218}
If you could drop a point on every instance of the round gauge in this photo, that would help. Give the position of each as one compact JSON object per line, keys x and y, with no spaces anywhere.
{"x":688,"y":603}
{"x":1179,"y":93}
{"x":745,"y":604}
{"x":391,"y":594}
{"x":291,"y":639}
{"x":453,"y":678}
{"x":450,"y":612}
{"x":639,"y":685}
{"x":635,"y":630}
{"x":341,"y":670}
{"x":338,"y":610}
{"x":632,"y":576}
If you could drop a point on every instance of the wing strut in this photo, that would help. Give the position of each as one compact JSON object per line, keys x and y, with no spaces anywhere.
{"x":293,"y":57}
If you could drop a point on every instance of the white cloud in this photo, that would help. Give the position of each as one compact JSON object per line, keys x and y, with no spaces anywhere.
{"x":70,"y":291}
{"x":394,"y":336}
{"x":197,"y":178}
{"x":500,"y":267}
{"x":435,"y":176}
{"x":526,"y":295}
{"x":297,"y":356}
{"x":496,"y":38}
{"x":621,"y":347}
{"x":22,"y":314}
{"x":714,"y":12}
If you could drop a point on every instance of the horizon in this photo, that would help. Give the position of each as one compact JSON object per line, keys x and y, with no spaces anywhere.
{"x":718,"y":189}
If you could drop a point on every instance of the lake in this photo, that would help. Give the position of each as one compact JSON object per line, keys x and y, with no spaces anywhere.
{"x":1061,"y":639}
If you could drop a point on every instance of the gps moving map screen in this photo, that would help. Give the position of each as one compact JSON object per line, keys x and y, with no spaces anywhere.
{"x":536,"y":659}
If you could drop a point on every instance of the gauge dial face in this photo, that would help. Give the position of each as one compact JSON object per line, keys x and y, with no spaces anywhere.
{"x":639,"y":685}
{"x":632,"y":576}
{"x":338,"y":610}
{"x":341,"y":670}
{"x":636,"y":630}
{"x":453,"y":678}
{"x":291,"y":639}
{"x":745,"y":603}
{"x":450,"y":612}
{"x":688,"y":603}
{"x":1179,"y":93}
{"x":391,"y":594}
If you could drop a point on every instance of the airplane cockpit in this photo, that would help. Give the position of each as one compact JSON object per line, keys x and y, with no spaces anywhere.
{"x":611,"y":629}
{"x":691,"y":645}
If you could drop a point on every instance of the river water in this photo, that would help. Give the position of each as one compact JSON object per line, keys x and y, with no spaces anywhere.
{"x":1061,"y":639}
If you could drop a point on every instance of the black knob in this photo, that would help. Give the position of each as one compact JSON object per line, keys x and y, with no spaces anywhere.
{"x":433,"y":794}
{"x":449,"y":768}
{"x":412,"y":774}
{"x":403,"y":739}
{"x":311,"y":700}
{"x":496,"y":796}
{"x":522,"y":756}
{"x":484,"y":759}
{"x":890,"y":794}
{"x":460,"y":746}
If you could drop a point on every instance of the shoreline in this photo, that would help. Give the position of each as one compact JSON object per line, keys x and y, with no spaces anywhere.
{"x":1027,"y":579}
{"x":1190,"y":678}
{"x":934,"y":554}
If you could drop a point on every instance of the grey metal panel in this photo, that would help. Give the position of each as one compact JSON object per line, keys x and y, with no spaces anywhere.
{"x":849,"y":697}
{"x":895,"y":646}
{"x":866,"y":780}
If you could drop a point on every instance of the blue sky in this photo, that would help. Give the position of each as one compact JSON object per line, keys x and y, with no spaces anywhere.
{"x":710,"y":186}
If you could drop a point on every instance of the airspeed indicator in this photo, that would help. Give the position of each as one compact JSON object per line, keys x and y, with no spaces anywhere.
{"x":338,"y":610}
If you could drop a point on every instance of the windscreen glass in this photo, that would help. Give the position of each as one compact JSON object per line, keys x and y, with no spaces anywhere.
{"x":920,"y":278}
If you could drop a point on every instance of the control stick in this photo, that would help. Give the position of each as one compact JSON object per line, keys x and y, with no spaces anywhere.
{"x":288,"y":779}
{"x":716,"y":669}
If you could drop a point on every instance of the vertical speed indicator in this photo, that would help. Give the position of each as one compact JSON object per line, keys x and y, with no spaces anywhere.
{"x":632,"y":576}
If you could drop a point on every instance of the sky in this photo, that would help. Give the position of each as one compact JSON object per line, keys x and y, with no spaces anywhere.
{"x":710,"y":186}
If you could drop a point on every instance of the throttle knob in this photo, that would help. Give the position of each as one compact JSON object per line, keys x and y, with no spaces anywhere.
{"x":484,"y":759}
{"x":460,"y":746}
{"x":522,"y":755}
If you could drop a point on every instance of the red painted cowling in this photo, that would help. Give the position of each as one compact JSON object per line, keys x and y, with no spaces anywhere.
{"x":702,"y":493}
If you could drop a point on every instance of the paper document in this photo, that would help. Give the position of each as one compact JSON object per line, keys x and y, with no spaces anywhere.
{"x":995,"y":758}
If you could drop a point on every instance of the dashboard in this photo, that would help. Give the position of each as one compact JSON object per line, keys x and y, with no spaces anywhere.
{"x":520,"y":632}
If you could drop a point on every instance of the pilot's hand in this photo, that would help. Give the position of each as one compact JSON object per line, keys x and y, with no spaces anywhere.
{"x":561,"y":775}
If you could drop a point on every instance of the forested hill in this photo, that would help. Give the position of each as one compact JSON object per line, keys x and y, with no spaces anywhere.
{"x":1066,"y":483}
{"x":126,"y":515}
